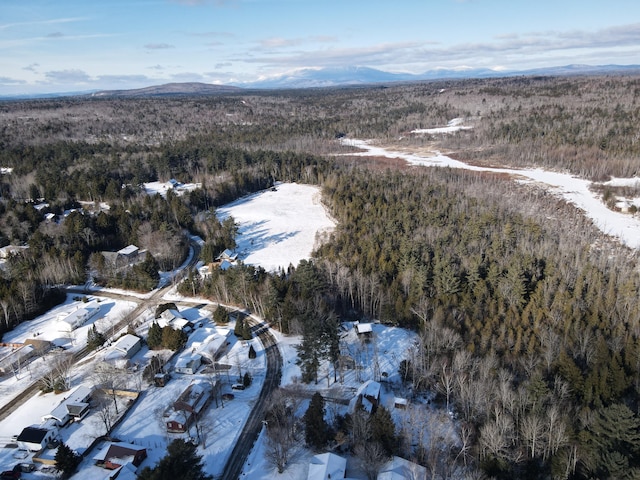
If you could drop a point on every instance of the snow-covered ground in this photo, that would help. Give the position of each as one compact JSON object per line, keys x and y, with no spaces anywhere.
{"x":454,"y":125}
{"x":280,"y":226}
{"x":622,"y":226}
{"x":153,"y":188}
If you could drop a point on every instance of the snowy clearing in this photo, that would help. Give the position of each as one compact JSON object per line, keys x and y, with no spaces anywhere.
{"x":280,"y":226}
{"x":454,"y":125}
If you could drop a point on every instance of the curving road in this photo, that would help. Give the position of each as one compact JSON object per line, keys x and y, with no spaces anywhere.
{"x":253,"y":425}
{"x":143,"y":304}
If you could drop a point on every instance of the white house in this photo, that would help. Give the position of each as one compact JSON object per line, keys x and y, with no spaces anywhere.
{"x":36,"y":438}
{"x":127,"y":346}
{"x":327,"y":466}
{"x":74,"y":406}
{"x":174,"y":319}
{"x":188,"y":364}
{"x":77,"y":318}
{"x":400,"y":469}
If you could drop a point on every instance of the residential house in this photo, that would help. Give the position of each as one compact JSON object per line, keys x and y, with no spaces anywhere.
{"x":129,"y":253}
{"x":36,"y":438}
{"x":174,"y":319}
{"x":188,"y":364}
{"x":77,"y":318}
{"x":73,"y":407}
{"x":123,"y":257}
{"x":367,"y":397}
{"x":227,"y":255}
{"x":400,"y":469}
{"x":118,"y":454}
{"x":125,"y":348}
{"x":189,"y":405}
{"x":327,"y":466}
{"x":16,"y":359}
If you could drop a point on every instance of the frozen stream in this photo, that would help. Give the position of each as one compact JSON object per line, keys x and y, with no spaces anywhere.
{"x":623,"y":226}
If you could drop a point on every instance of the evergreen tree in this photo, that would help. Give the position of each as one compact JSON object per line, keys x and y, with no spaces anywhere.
{"x":95,"y":339}
{"x":383,"y":430}
{"x":247,"y":379}
{"x":181,"y":462}
{"x":154,"y":337}
{"x":238,"y":329}
{"x":173,"y":339}
{"x":220,"y":315}
{"x":66,"y":460}
{"x":252,"y":352}
{"x":316,"y":427}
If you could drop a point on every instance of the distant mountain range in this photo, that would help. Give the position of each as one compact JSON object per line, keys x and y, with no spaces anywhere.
{"x":169,"y":89}
{"x":337,"y":77}
{"x":333,"y":77}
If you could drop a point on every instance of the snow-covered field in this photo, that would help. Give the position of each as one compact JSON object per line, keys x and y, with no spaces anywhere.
{"x":278,"y":227}
{"x":622,"y":226}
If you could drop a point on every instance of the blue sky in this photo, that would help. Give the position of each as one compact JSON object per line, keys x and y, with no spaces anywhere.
{"x":77,"y":45}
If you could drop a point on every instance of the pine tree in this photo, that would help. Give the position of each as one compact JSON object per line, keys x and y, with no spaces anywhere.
{"x":181,"y":462}
{"x":94,"y":338}
{"x":316,"y":427}
{"x":154,"y":338}
{"x":252,"y":352}
{"x":383,"y":430}
{"x":66,"y":460}
{"x":220,"y":315}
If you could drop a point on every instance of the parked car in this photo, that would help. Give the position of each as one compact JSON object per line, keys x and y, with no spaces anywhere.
{"x":14,"y":473}
{"x":237,"y":386}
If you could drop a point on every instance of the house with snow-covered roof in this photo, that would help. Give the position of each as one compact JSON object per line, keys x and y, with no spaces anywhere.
{"x":174,"y":319}
{"x":188,"y":364}
{"x":75,"y":406}
{"x":16,"y":358}
{"x":36,"y":438}
{"x":327,"y":466}
{"x":127,"y":346}
{"x":367,"y":397}
{"x":187,"y":407}
{"x":115,"y":455}
{"x":400,"y":469}
{"x":77,"y":318}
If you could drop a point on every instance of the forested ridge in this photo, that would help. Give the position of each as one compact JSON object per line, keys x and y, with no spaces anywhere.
{"x":528,"y":317}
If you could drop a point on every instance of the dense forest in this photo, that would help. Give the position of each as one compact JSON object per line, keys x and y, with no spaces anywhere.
{"x":528,"y":317}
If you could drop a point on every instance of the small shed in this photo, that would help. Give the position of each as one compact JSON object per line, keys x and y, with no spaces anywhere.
{"x":161,"y":379}
{"x":400,"y":403}
{"x":364,"y":328}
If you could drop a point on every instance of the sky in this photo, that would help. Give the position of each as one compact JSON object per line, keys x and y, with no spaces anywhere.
{"x":81,"y":45}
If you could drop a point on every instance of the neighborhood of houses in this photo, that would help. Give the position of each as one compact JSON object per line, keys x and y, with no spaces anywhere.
{"x":37,"y":442}
{"x":207,"y":343}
